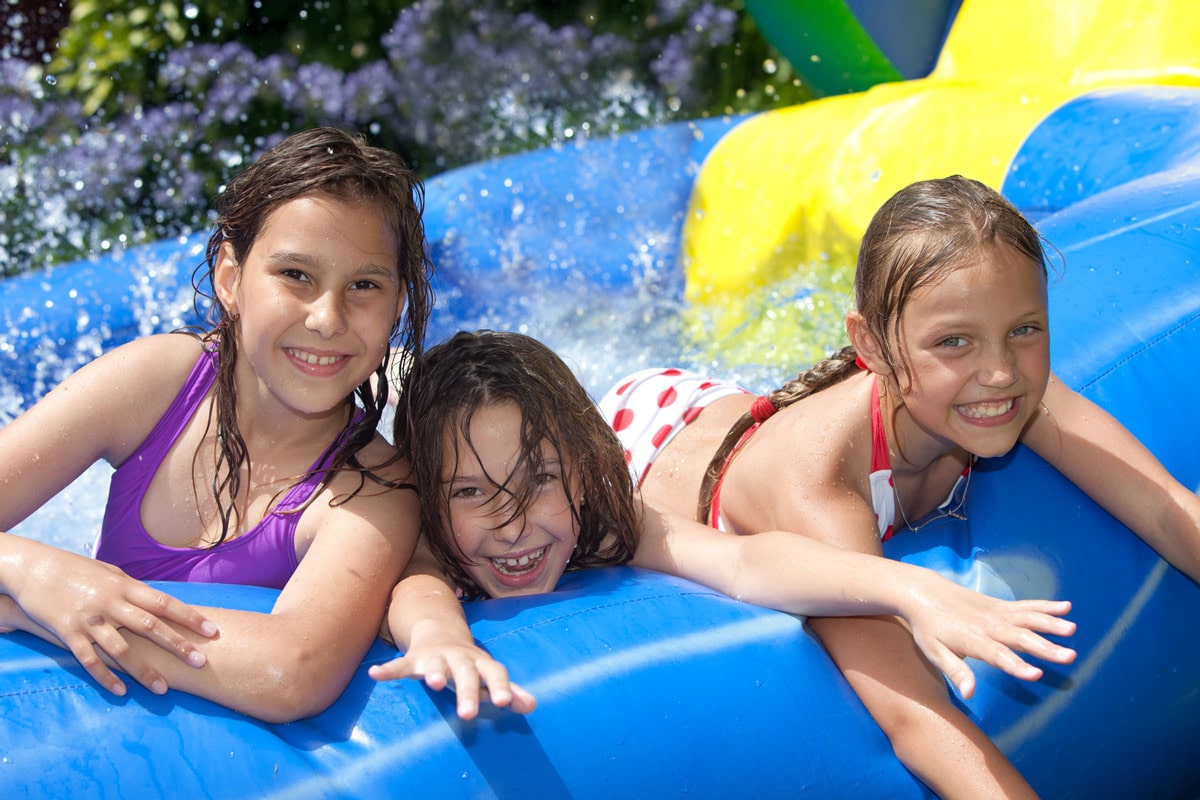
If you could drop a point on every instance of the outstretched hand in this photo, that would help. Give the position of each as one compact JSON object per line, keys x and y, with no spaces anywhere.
{"x":952,"y":623}
{"x":468,"y":670}
{"x":88,"y":607}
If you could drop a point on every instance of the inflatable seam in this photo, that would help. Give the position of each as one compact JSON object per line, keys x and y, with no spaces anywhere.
{"x":64,"y":687}
{"x":1194,"y":317}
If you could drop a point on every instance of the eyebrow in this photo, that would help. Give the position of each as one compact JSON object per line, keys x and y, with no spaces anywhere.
{"x":553,"y":462}
{"x":303,"y":259}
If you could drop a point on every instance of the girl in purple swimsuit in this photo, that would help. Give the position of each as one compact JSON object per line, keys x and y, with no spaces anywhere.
{"x":524,"y":480}
{"x":246,"y":454}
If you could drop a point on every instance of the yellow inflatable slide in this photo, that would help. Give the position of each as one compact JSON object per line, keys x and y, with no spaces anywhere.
{"x":789,"y":193}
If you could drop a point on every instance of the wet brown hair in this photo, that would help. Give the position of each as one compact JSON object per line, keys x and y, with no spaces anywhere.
{"x":922,"y":232}
{"x":475,"y":370}
{"x":343,"y":167}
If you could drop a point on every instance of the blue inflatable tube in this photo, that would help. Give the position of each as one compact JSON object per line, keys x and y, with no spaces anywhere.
{"x":654,"y":687}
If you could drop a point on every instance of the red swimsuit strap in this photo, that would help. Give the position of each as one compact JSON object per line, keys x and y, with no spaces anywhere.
{"x":880,"y":459}
{"x":714,"y":516}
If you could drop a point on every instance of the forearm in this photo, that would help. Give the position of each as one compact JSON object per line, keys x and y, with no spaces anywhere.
{"x":427,"y":623}
{"x":794,"y":573}
{"x":908,"y":700}
{"x":274,"y":667}
{"x":21,"y":558}
{"x":424,"y":607}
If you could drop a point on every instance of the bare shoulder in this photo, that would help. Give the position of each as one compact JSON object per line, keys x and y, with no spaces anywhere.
{"x":807,"y":468}
{"x":148,"y":366}
{"x":380,"y":498}
{"x":826,"y":434}
{"x":129,"y":388}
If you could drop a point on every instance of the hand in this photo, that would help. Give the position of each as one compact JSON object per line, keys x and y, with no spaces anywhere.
{"x":467,"y":670}
{"x":86,"y":606}
{"x":951,"y":623}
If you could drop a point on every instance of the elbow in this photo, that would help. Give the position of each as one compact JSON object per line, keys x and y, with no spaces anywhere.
{"x":297,"y":688}
{"x":293,"y":704}
{"x":908,"y":740}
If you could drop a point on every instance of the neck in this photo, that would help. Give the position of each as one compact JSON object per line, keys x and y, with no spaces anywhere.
{"x":911,"y":448}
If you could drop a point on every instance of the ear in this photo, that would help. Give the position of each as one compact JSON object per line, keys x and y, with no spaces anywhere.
{"x":226,"y":276}
{"x":866,"y":344}
{"x":401,"y":302}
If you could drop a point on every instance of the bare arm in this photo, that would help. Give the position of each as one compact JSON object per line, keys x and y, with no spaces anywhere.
{"x":900,"y":689}
{"x":1100,"y":456}
{"x":74,"y":600}
{"x":801,"y":575}
{"x":295,"y":661}
{"x":928,"y":733}
{"x":426,"y":620}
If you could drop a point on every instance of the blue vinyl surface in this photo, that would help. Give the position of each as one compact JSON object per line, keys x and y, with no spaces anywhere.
{"x":653,"y":687}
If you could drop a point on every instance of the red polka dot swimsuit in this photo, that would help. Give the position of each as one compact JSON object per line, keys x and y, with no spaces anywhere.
{"x":649,"y":407}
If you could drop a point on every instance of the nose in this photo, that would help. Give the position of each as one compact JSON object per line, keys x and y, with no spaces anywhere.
{"x":999,"y":368}
{"x":327,"y":315}
{"x":511,"y":529}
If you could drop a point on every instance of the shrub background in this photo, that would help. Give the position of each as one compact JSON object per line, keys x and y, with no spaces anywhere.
{"x":122,"y":127}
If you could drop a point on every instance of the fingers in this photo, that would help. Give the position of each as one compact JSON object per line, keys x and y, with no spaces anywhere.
{"x":394,"y":670}
{"x":474,"y":677}
{"x":155,"y":630}
{"x":148,"y":615}
{"x":88,"y":657}
{"x":962,"y":677}
{"x":1029,"y":642}
{"x":1055,"y":626}
{"x":111,"y":642}
{"x":523,"y":702}
{"x":999,"y":650}
{"x":166,"y":607}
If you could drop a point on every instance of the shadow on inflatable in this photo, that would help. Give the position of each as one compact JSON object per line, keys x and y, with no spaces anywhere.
{"x":654,"y":687}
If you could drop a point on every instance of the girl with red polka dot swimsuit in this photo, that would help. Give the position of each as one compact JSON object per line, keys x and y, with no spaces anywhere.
{"x":521,"y":480}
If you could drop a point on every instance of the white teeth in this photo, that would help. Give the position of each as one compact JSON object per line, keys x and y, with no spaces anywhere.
{"x":522,"y":564}
{"x":987,"y":410}
{"x":315,"y":360}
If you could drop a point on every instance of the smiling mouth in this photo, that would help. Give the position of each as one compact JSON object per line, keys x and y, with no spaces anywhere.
{"x":987,"y":410}
{"x":314,"y":359}
{"x":520,"y":565}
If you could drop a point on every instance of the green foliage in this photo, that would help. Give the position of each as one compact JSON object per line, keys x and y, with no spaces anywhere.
{"x":148,"y":108}
{"x":108,"y":53}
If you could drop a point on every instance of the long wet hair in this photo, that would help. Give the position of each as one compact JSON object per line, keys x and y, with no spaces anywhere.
{"x":471,"y":371}
{"x":921,"y":233}
{"x":343,"y":167}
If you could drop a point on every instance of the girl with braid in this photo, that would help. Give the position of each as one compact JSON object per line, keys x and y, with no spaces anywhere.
{"x":949,"y":361}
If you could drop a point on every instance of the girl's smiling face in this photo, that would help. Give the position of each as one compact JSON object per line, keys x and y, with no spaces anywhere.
{"x":507,"y":550}
{"x":976,"y":353}
{"x":316,"y":299}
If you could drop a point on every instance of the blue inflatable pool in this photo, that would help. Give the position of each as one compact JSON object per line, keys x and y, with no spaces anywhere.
{"x":654,"y":687}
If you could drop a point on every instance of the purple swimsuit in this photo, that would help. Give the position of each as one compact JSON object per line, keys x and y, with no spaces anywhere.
{"x":263,"y":556}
